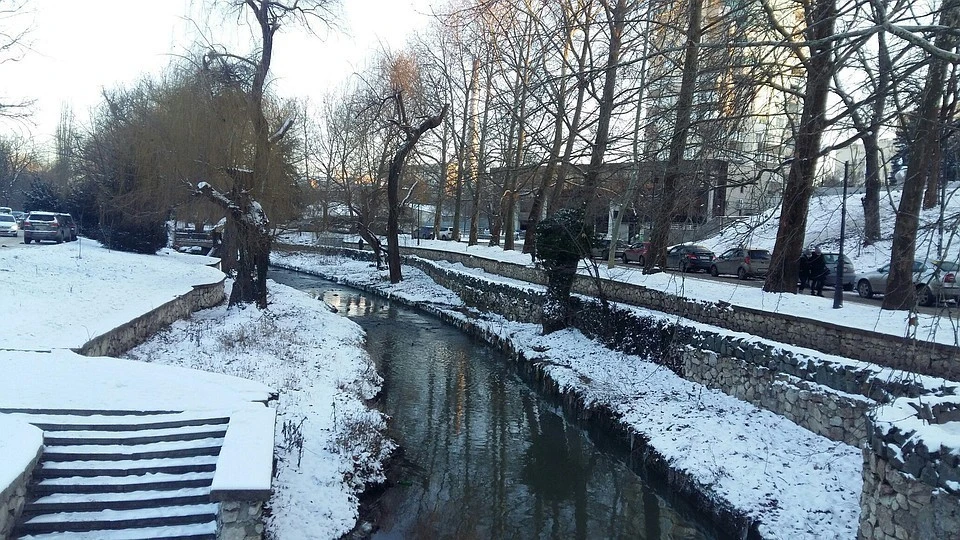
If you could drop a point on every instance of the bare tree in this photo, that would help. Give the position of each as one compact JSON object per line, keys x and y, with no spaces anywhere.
{"x":247,"y":223}
{"x":924,"y":160}
{"x":820,"y":17}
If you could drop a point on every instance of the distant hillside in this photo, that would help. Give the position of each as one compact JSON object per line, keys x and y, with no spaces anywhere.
{"x":823,"y":229}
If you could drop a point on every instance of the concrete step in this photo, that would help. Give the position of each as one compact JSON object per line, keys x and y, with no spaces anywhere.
{"x":136,"y":470}
{"x":163,"y":516}
{"x":121,"y":484}
{"x":203,"y":447}
{"x":69,"y":438}
{"x":79,"y":502}
{"x":199,"y":531}
{"x":58,"y":421}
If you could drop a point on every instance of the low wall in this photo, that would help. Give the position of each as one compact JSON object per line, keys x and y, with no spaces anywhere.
{"x":933,"y":359}
{"x":814,"y":407}
{"x":13,"y":495}
{"x":128,"y":335}
{"x":911,"y":472}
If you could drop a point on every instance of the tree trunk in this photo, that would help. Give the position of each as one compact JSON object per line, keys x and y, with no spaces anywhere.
{"x":660,"y":233}
{"x":924,"y":154}
{"x":872,"y":182}
{"x":783,"y":274}
{"x":587,"y":193}
{"x":393,"y":187}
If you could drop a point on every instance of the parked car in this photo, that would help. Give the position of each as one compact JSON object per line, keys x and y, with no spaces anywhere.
{"x":69,"y":221}
{"x":600,"y":249}
{"x":689,"y":258}
{"x":849,"y":272}
{"x":8,"y":225}
{"x":936,"y":281}
{"x":6,"y":210}
{"x":445,"y":233}
{"x":423,"y":233}
{"x":18,"y":215}
{"x":45,"y":226}
{"x":636,"y":253}
{"x":742,"y":262}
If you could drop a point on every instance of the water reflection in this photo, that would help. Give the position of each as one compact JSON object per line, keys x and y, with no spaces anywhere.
{"x":488,"y":458}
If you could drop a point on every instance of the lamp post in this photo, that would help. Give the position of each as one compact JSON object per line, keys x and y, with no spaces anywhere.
{"x":838,"y":285}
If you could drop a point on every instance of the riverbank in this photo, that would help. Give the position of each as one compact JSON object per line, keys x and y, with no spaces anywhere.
{"x":309,"y":362}
{"x":783,"y":479}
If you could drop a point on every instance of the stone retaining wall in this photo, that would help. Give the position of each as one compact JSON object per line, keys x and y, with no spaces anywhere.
{"x":837,"y":417}
{"x":240,"y":520}
{"x":14,"y":496}
{"x":128,"y":335}
{"x":933,"y":359}
{"x":911,"y":473}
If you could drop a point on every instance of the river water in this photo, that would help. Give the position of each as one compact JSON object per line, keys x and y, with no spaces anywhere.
{"x":483,"y":455}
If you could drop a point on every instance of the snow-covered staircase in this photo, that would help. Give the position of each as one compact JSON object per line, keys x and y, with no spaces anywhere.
{"x":123,"y":475}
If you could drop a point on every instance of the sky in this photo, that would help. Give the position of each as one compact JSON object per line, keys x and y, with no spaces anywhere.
{"x":79,"y":48}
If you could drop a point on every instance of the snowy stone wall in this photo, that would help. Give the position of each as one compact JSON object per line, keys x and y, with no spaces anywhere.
{"x":933,"y":359}
{"x":14,"y":496}
{"x":911,"y":471}
{"x":240,"y":520}
{"x":128,"y":335}
{"x":839,"y":417}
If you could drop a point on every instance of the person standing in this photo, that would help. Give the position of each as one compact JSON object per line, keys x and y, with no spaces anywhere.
{"x":818,"y":272}
{"x":803,"y":266}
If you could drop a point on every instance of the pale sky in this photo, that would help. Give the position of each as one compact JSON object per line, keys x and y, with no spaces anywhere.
{"x":80,"y":47}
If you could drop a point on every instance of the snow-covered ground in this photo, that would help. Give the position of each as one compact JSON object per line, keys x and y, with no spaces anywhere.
{"x":59,"y":296}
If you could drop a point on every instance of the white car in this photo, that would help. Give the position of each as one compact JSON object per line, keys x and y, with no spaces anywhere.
{"x":445,"y":233}
{"x":8,"y":225}
{"x":936,"y":281}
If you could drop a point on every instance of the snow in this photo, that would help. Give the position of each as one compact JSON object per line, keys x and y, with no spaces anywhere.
{"x":62,"y":295}
{"x":19,"y":444}
{"x":219,"y":362}
{"x":316,"y":360}
{"x":75,"y":382}
{"x":246,"y":458}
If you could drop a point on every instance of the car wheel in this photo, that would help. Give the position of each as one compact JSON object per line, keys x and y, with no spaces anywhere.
{"x":741,"y":274}
{"x":26,"y":240}
{"x":624,"y":257}
{"x":60,"y":239}
{"x":713,"y":271}
{"x":864,"y":289}
{"x":925,"y":296}
{"x":641,"y":262}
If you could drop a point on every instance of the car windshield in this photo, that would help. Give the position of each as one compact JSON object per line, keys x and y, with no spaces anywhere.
{"x":41,"y":217}
{"x":759,"y":254}
{"x":7,"y":217}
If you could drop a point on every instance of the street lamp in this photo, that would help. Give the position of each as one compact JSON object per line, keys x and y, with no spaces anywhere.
{"x":838,"y":286}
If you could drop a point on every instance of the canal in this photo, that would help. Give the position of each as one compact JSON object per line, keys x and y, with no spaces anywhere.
{"x":483,"y":456}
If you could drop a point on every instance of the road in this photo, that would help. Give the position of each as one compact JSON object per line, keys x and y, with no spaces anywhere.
{"x":9,"y":241}
{"x":848,"y":296}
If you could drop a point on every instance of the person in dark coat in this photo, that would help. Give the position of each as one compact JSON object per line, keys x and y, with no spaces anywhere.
{"x":818,"y":272}
{"x":803,"y":265}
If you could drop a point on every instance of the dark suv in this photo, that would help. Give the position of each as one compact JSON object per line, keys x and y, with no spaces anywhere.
{"x":47,"y":226}
{"x":69,"y":221}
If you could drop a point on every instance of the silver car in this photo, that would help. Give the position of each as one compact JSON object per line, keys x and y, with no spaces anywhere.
{"x":742,"y":262}
{"x":936,"y":281}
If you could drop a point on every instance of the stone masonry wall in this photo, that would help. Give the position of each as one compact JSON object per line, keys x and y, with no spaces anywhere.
{"x":240,"y":520}
{"x":128,"y":335}
{"x":934,"y":359}
{"x":837,"y":417}
{"x":14,"y":496}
